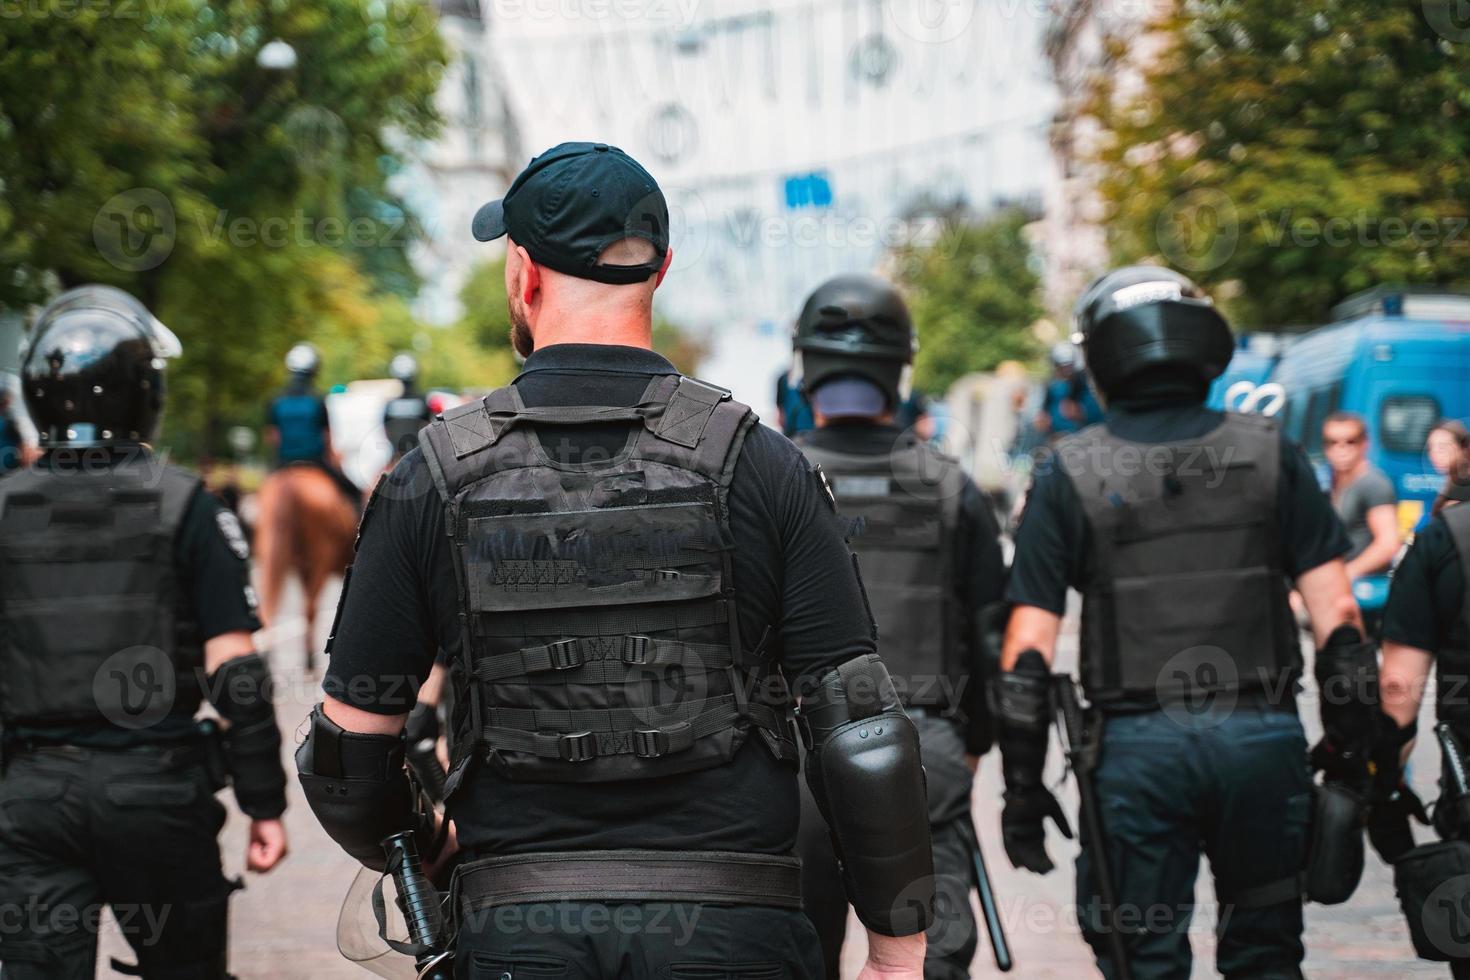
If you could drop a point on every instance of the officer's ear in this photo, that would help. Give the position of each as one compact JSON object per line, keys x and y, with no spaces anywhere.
{"x":522,"y":275}
{"x":663,"y":270}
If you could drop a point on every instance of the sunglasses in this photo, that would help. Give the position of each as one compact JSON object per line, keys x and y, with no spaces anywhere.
{"x":1342,"y":442}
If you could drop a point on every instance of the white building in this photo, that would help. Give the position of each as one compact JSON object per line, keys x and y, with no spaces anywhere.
{"x":795,"y":139}
{"x":474,"y":159}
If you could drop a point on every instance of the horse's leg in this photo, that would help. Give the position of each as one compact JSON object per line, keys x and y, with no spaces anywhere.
{"x":270,"y":550}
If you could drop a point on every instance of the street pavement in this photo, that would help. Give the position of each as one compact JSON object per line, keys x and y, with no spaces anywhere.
{"x":283,"y":924}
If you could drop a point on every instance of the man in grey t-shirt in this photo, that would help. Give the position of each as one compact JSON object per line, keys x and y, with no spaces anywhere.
{"x":1363,"y":496}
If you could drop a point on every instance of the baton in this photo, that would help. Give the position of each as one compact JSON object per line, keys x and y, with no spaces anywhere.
{"x":424,"y":762}
{"x":429,"y":943}
{"x":1092,"y":820}
{"x":998,"y":943}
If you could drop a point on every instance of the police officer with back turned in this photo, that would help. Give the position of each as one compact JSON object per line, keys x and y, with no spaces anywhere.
{"x":622,"y":568}
{"x":124,"y":603}
{"x":1427,"y":622}
{"x":405,"y":415}
{"x":1181,"y":527}
{"x":930,"y":558}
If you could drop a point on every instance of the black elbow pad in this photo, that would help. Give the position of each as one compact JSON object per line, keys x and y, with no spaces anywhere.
{"x":864,"y":768}
{"x":358,"y":788}
{"x":241,"y":692}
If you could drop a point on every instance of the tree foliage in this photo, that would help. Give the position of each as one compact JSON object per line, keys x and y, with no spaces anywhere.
{"x":147,"y":146}
{"x":1294,"y":153}
{"x":973,"y":294}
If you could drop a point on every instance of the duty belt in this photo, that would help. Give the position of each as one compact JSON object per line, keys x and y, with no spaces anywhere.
{"x":725,"y":877}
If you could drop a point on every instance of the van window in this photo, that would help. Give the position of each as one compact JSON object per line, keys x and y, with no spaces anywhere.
{"x":1404,"y":422}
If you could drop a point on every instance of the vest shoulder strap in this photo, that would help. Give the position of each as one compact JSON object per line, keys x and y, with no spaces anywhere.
{"x":1457,"y":519}
{"x":177,"y":489}
{"x":686,"y":423}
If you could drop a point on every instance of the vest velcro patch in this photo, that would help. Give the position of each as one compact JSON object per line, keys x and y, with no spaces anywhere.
{"x":516,"y":574}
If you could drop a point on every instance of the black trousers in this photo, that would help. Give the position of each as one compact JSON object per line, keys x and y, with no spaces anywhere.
{"x":134,"y":829}
{"x":1230,"y":782}
{"x":952,"y":936}
{"x":636,"y":941}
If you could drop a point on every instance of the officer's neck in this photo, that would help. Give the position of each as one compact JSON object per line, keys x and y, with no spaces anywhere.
{"x":848,"y":421}
{"x":1157,"y":390}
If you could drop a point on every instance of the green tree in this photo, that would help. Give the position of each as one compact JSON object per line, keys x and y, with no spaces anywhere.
{"x":486,"y":315}
{"x":152,"y":147}
{"x":1293,"y":153}
{"x":973,"y":294}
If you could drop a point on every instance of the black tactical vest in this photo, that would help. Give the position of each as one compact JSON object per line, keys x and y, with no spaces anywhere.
{"x":95,"y":629}
{"x":1187,"y":591}
{"x":600,"y":633}
{"x":904,"y":510}
{"x":1452,"y":664}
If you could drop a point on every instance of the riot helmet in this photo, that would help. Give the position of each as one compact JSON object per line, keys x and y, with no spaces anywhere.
{"x":1147,"y":318}
{"x":93,"y":369}
{"x":303,"y":360}
{"x":1063,"y":355}
{"x":856,"y":327}
{"x":405,"y":368}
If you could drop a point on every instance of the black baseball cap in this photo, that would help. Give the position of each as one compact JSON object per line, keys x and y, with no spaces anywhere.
{"x":575,"y":200}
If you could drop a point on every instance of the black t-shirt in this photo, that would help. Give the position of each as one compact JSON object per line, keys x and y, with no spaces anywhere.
{"x":1427,"y":592}
{"x":1053,"y":542}
{"x":979,"y":563}
{"x":211,"y":558}
{"x":793,"y":575}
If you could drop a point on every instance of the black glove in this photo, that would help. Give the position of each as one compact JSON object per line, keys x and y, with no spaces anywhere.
{"x":1023,"y":827}
{"x":1024,"y":714}
{"x":1388,"y":823}
{"x":1347,"y":684}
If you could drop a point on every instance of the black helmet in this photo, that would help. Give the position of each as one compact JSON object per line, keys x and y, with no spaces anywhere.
{"x":93,"y":369}
{"x":405,"y":368}
{"x":855,"y":326}
{"x":1143,"y":316}
{"x":302,"y":359}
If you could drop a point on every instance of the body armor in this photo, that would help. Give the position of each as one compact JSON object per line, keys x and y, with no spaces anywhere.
{"x":600,"y":631}
{"x":903,"y":508}
{"x":1187,"y":592}
{"x":89,"y":596}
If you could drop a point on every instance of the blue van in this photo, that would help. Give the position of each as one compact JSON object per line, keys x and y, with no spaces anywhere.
{"x":1398,"y":357}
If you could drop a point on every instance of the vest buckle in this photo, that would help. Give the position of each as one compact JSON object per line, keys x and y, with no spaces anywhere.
{"x":577,"y":747}
{"x":650,"y":743}
{"x":565,"y":654}
{"x":636,"y":649}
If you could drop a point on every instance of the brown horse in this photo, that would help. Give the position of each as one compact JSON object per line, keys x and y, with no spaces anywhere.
{"x":304,"y":527}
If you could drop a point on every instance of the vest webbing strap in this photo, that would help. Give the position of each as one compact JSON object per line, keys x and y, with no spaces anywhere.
{"x":726,"y":877}
{"x":590,"y":733}
{"x":589,"y":652}
{"x":605,"y":621}
{"x":680,"y":418}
